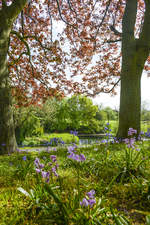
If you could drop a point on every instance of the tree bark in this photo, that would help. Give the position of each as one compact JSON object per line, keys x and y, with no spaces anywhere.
{"x":134,"y":56}
{"x":130,"y":102}
{"x":7,"y":133}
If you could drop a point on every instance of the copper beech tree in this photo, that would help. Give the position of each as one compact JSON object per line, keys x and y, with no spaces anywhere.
{"x":104,"y":41}
{"x":31,"y":62}
{"x":109,"y":42}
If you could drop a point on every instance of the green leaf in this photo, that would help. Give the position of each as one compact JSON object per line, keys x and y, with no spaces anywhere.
{"x":124,"y":220}
{"x":148,"y":220}
{"x":24,"y":192}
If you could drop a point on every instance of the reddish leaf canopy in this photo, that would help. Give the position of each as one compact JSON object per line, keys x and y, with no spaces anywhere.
{"x":38,"y":64}
{"x":94,"y":29}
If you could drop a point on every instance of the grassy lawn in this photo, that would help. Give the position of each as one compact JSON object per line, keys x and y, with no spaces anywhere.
{"x":119,"y":176}
{"x":145,"y":125}
{"x":51,"y":139}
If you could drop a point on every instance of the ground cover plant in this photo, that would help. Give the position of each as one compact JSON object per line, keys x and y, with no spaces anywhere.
{"x":107,"y":183}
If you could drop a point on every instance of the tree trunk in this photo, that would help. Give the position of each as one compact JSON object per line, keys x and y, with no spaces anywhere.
{"x":8,"y":14}
{"x":133,"y":59}
{"x":130,"y":103}
{"x":134,"y":56}
{"x":7,"y":133}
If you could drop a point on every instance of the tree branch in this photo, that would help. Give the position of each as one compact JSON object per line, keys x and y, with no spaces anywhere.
{"x":144,"y":38}
{"x":116,"y":32}
{"x":113,"y":86}
{"x":97,"y":92}
{"x":59,"y":10}
{"x":22,"y":22}
{"x":113,"y":41}
{"x":15,"y":8}
{"x":101,"y":24}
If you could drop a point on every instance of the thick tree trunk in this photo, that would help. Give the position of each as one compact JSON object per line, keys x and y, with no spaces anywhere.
{"x":7,"y":133}
{"x":8,"y":14}
{"x":130,"y":103}
{"x":134,"y":56}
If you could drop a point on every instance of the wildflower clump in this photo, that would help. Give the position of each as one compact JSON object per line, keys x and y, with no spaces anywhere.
{"x":73,"y":155}
{"x":49,"y":169}
{"x":130,"y":142}
{"x":89,"y":200}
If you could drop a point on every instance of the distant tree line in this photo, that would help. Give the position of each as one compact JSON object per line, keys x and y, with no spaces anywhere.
{"x":74,"y":113}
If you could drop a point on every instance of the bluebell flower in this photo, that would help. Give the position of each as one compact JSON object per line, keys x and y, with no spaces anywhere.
{"x":84,"y":202}
{"x":75,"y":133}
{"x":53,"y":158}
{"x":89,"y":200}
{"x":24,"y":158}
{"x":131,"y":131}
{"x":91,"y":194}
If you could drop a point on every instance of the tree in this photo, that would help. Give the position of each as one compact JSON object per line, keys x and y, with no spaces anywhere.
{"x":82,"y":112}
{"x":30,"y":61}
{"x":111,"y":114}
{"x":47,"y":113}
{"x":33,"y":65}
{"x":8,"y":15}
{"x":95,"y":29}
{"x":27,"y":123}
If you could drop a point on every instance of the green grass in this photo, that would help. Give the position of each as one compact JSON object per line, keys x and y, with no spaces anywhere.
{"x":145,"y":125}
{"x":128,"y":196}
{"x":37,"y":141}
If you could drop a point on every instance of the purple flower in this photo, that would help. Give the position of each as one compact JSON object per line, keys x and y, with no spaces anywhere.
{"x":37,"y":162}
{"x":91,"y":202}
{"x":91,"y":194}
{"x":24,"y":158}
{"x":56,"y":165}
{"x":131,"y":131}
{"x":37,"y":170}
{"x":126,"y":140}
{"x":41,"y":165}
{"x":71,"y":156}
{"x":84,"y":202}
{"x":53,"y":158}
{"x":75,"y":157}
{"x":45,"y":174}
{"x":82,"y":157}
{"x":55,"y":173}
{"x":71,"y":149}
{"x":130,"y":142}
{"x":3,"y":144}
{"x":47,"y":180}
{"x":75,"y":133}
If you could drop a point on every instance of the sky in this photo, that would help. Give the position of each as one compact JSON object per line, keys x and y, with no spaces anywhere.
{"x":113,"y":102}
